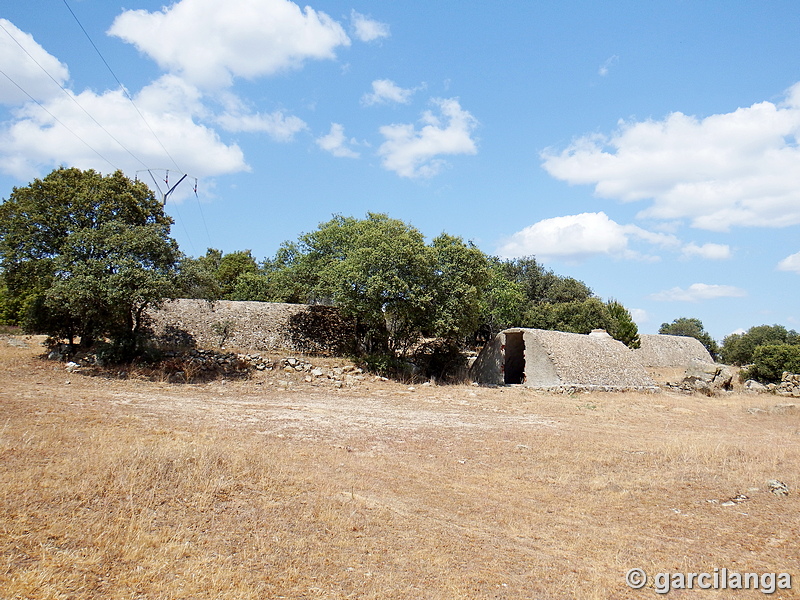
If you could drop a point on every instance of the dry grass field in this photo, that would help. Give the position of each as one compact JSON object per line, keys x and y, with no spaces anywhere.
{"x":131,"y":489}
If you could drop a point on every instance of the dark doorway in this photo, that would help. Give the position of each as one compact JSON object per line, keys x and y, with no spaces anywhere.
{"x":514,"y":370}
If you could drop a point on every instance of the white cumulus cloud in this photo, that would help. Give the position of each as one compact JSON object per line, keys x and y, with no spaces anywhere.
{"x":412,"y":152}
{"x":385,"y":91}
{"x":208,"y":42}
{"x":699,"y":291}
{"x":733,"y":169}
{"x":577,"y":237}
{"x":366,"y":29}
{"x":707,"y":251}
{"x":277,"y":125}
{"x":790,"y":263}
{"x":27,"y":65}
{"x":34,"y":141}
{"x":336,"y":143}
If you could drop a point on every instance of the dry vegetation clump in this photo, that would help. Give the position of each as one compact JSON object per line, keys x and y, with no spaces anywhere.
{"x":146,"y":490}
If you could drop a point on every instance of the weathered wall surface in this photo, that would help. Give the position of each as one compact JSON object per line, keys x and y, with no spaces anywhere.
{"x":262,"y":326}
{"x":662,"y":351}
{"x":488,"y":367}
{"x":589,"y":361}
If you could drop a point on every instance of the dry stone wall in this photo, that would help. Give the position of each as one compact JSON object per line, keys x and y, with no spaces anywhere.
{"x":261,"y":326}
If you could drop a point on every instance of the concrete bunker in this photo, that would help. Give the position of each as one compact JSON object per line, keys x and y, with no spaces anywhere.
{"x":670,"y":351}
{"x":557,"y":360}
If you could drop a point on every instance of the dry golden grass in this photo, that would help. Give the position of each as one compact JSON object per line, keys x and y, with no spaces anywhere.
{"x":143,"y":490}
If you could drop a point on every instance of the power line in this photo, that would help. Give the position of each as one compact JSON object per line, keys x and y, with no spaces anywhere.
{"x":71,"y":97}
{"x":144,"y":120}
{"x":59,"y":121}
{"x":122,"y":87}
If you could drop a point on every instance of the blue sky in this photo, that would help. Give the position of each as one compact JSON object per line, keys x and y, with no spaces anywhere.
{"x":649,"y":149}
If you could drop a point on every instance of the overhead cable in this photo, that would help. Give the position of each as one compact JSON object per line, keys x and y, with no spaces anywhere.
{"x":59,"y":121}
{"x":122,"y":87}
{"x":70,"y":96}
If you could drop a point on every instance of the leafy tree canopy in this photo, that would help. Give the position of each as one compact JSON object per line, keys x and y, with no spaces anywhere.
{"x":739,"y":348}
{"x":85,"y":255}
{"x":377,"y":270}
{"x":771,"y":360}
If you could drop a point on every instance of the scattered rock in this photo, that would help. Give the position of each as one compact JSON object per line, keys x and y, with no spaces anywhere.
{"x":752,"y":385}
{"x":778,"y":487}
{"x":706,"y":378}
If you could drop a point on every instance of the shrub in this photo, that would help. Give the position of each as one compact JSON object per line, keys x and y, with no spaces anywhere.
{"x":769,"y":362}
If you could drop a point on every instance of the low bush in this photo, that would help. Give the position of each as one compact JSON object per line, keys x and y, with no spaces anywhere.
{"x":770,"y":361}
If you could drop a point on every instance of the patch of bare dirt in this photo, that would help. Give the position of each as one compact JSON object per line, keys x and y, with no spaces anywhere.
{"x":281,"y":488}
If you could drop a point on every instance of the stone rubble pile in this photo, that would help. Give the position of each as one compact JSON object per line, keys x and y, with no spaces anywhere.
{"x":210,"y":361}
{"x":187,"y":365}
{"x":789,"y":386}
{"x":706,"y":378}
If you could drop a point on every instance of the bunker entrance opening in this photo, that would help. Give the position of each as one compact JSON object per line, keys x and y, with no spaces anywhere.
{"x":514,"y":371}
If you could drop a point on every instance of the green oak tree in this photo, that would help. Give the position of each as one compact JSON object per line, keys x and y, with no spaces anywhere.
{"x":739,"y":348}
{"x":85,"y":255}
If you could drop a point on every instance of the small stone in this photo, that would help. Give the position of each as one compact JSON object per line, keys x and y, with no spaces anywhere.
{"x":778,"y":487}
{"x":754,"y":386}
